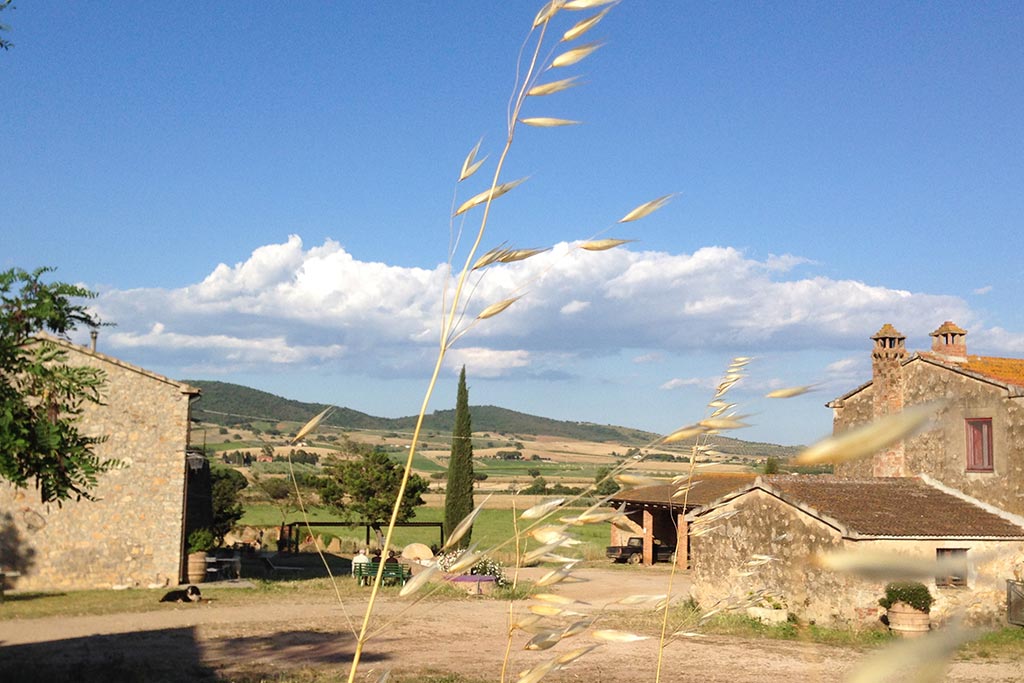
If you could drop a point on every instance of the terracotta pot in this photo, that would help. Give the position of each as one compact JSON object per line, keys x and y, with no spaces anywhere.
{"x":908,"y":622}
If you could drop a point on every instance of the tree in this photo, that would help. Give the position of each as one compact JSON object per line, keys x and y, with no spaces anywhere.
{"x":458,"y":499}
{"x":604,"y":485}
{"x":225,"y":484}
{"x":5,"y":44}
{"x":368,"y":485}
{"x":771,"y":465}
{"x":41,"y":396}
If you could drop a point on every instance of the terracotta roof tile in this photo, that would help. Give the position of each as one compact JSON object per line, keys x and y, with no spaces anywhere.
{"x":889,"y":506}
{"x":711,"y":487}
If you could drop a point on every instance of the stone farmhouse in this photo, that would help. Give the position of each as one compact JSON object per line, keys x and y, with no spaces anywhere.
{"x":134,"y":533}
{"x":953,"y":492}
{"x":977,"y":445}
{"x":768,"y":536}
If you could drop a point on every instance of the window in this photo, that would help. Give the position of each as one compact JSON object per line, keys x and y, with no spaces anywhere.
{"x":979,"y":444}
{"x":952,"y":567}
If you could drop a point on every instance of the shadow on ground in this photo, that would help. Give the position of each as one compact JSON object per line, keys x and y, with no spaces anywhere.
{"x":172,"y":656}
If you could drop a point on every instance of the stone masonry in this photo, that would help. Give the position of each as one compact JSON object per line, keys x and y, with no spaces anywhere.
{"x":947,"y":374}
{"x":132,"y":534}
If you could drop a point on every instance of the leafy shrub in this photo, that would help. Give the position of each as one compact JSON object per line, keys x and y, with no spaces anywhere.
{"x":911,"y":593}
{"x":201,"y":541}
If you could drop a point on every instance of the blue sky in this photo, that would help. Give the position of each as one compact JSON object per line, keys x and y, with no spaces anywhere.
{"x":261,"y":194}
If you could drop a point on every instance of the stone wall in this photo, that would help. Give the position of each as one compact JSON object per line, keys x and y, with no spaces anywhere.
{"x":725,"y":566}
{"x":132,"y":534}
{"x":724,"y":561}
{"x":942,"y":452}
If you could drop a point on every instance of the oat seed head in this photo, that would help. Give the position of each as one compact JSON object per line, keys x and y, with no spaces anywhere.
{"x":575,"y":55}
{"x":541,"y":509}
{"x":612,"y":635}
{"x":462,"y":527}
{"x":553,"y":87}
{"x":471,"y":165}
{"x":790,"y":392}
{"x":547,"y":122}
{"x":311,"y":425}
{"x":496,"y":308}
{"x":603,"y":245}
{"x":863,"y":441}
{"x":482,"y":197}
{"x":646,"y":209}
{"x":583,"y":26}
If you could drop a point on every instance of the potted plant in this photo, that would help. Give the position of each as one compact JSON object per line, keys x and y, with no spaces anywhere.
{"x":200,"y":542}
{"x":907,"y":604}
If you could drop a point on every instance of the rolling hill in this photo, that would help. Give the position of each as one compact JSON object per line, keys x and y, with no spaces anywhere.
{"x":229,"y":404}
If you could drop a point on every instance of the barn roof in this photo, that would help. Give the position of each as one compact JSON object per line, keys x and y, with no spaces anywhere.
{"x":707,"y":487}
{"x":896,"y":507}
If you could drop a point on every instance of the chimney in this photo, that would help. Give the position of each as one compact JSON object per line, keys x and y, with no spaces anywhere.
{"x":92,"y":340}
{"x":887,"y":395}
{"x":950,"y":342}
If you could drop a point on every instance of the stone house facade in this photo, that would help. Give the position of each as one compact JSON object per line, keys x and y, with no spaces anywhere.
{"x":767,"y":539}
{"x":977,"y":442}
{"x":133,"y":534}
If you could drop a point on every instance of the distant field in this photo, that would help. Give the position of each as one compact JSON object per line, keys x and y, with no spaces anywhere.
{"x":492,"y":527}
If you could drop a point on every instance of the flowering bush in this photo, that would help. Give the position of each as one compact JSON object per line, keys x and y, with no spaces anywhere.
{"x":485,"y":566}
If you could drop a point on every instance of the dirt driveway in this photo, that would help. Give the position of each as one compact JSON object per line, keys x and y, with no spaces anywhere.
{"x":216,"y":642}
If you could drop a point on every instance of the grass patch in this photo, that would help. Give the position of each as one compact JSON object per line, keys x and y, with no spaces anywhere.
{"x":1003,"y":643}
{"x":491,"y":527}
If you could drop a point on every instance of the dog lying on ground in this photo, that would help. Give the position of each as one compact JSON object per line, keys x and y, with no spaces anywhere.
{"x":190,"y":594}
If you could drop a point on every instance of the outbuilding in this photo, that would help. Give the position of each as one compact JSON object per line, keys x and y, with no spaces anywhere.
{"x":768,"y":537}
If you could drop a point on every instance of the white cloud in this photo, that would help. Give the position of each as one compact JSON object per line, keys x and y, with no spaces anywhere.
{"x":287,"y":305}
{"x":679,"y":382}
{"x":649,"y":358}
{"x":488,"y":362}
{"x":983,"y":290}
{"x":574,"y":306}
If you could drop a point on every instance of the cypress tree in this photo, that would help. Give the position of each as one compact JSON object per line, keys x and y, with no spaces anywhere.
{"x":458,"y":500}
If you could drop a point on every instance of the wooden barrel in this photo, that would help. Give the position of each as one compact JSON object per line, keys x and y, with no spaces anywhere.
{"x":196,"y":567}
{"x":908,"y":622}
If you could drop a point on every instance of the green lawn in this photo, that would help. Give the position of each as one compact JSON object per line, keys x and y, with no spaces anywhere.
{"x":491,"y":528}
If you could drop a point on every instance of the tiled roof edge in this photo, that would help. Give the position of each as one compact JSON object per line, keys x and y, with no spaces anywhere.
{"x":987,"y":507}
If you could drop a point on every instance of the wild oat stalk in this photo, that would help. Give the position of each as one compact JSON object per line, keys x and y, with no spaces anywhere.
{"x":528,"y":86}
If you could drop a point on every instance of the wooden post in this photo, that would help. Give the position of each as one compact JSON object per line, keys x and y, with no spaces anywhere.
{"x":648,"y":537}
{"x":682,"y":541}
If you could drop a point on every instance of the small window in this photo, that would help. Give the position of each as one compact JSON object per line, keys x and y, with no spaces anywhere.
{"x":979,"y":444}
{"x":952,"y":567}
